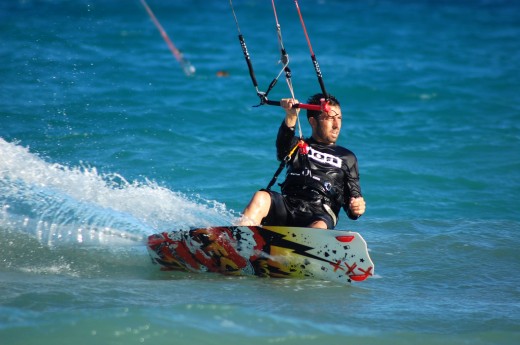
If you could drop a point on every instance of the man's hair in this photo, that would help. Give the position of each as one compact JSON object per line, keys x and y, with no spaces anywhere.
{"x":316,"y":99}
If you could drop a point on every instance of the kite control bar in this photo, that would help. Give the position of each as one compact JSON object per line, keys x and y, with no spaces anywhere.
{"x":324,"y":106}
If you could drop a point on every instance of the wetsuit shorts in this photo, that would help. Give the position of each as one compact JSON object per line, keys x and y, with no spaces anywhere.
{"x":288,"y":211}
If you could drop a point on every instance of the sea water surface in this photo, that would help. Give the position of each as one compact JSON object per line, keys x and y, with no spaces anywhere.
{"x":104,"y":140}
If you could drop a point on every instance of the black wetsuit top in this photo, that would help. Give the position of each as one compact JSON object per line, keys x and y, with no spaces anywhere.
{"x":327,"y":172}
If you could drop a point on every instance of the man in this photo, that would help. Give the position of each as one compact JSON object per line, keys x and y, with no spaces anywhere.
{"x":321,"y":178}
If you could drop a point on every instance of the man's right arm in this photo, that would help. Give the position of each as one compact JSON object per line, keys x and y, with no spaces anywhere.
{"x":291,"y":114}
{"x":286,"y":139}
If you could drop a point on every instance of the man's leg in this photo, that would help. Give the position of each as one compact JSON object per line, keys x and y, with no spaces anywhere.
{"x":257,"y":209}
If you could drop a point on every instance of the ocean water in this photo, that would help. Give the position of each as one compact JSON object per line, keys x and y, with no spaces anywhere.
{"x":104,"y":140}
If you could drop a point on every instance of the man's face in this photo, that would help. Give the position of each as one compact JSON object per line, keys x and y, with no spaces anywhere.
{"x":327,"y":126}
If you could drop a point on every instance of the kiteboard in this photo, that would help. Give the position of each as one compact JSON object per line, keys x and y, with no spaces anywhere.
{"x":265,"y":251}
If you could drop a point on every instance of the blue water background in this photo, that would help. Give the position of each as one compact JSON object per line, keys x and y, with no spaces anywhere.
{"x":104,"y":140}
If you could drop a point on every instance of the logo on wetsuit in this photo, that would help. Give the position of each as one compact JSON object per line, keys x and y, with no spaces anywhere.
{"x":324,"y":158}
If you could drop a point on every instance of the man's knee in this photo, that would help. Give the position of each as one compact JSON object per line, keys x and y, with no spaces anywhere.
{"x":319,"y":224}
{"x":257,"y":209}
{"x":262,"y":198}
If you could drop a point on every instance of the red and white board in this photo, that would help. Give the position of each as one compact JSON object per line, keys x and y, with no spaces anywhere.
{"x":266,"y":251}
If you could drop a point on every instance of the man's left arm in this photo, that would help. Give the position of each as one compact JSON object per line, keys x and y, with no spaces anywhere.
{"x":355,"y":204}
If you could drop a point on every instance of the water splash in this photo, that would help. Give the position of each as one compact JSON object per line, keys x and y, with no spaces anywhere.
{"x":60,"y":204}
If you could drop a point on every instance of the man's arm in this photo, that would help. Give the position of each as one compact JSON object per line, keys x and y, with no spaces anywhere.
{"x":355,"y":204}
{"x":286,"y":139}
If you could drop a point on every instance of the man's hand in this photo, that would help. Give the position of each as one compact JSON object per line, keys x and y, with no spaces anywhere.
{"x":357,"y":206}
{"x":291,"y":114}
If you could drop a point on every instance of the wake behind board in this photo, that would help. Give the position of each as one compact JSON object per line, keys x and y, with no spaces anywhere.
{"x":266,"y":251}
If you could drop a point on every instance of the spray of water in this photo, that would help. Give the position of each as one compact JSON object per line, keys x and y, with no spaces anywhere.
{"x":60,"y":204}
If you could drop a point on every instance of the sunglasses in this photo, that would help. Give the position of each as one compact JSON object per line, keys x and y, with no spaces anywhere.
{"x":330,"y":116}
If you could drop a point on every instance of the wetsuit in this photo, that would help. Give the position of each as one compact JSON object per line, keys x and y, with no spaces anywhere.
{"x":318,"y":183}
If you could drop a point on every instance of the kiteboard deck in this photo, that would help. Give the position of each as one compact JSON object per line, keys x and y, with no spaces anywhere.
{"x":265,"y":251}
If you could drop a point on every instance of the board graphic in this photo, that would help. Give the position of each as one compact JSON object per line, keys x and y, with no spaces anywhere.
{"x":265,"y":251}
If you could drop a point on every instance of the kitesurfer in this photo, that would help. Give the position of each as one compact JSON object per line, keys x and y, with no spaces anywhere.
{"x":321,"y":177}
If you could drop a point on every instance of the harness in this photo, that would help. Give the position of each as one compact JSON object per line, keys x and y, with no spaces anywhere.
{"x":314,"y":181}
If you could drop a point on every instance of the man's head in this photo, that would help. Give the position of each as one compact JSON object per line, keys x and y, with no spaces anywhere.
{"x":326,"y":126}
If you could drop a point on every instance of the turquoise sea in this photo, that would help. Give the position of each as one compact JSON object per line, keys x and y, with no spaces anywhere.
{"x":104,"y":140}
